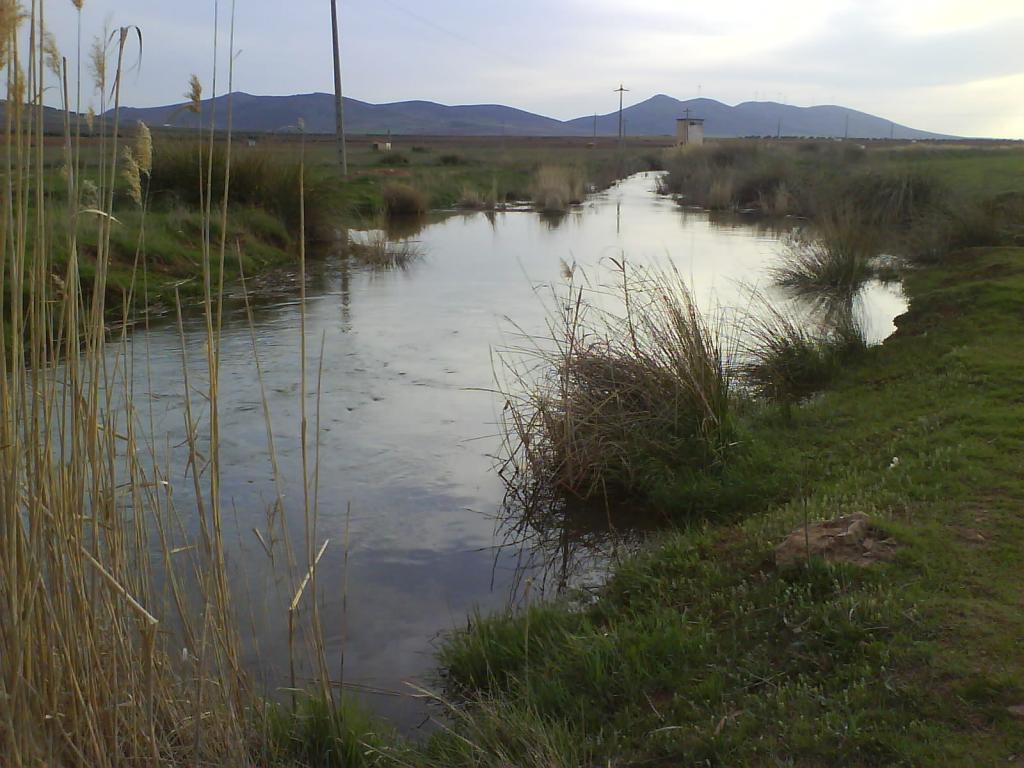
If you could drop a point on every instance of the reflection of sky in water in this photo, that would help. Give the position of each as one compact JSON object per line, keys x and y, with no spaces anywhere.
{"x":407,"y":427}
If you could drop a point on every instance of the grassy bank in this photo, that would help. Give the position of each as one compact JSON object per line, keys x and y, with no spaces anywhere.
{"x":699,"y":651}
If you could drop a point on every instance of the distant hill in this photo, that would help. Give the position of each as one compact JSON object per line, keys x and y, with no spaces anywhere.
{"x":282,"y":113}
{"x":657,"y":116}
{"x":654,"y":117}
{"x":53,"y":119}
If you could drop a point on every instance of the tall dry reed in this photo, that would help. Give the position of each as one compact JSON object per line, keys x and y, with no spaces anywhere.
{"x":118,"y":641}
{"x":556,"y":187}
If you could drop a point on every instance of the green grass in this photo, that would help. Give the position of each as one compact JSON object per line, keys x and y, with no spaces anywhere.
{"x":699,"y":652}
{"x":264,"y":213}
{"x":314,"y":733}
{"x":969,"y":171}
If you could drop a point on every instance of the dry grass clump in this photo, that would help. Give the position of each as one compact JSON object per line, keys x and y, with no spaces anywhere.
{"x":778,"y":201}
{"x":786,"y":358}
{"x":403,"y":200}
{"x":722,"y":195}
{"x":832,"y":260}
{"x":891,"y":198}
{"x":556,"y":187}
{"x":472,"y":198}
{"x":379,"y":252}
{"x":611,"y":393}
{"x":966,"y":224}
{"x":731,"y":176}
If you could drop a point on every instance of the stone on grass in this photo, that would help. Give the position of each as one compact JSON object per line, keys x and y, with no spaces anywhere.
{"x":848,"y":539}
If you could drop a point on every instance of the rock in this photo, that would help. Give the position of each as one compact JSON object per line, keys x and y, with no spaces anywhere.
{"x":1017,"y":711}
{"x":848,"y":539}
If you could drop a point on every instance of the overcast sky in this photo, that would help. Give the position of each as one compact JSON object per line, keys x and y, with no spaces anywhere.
{"x":950,"y":67}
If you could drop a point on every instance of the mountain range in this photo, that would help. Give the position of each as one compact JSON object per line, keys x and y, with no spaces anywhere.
{"x":654,"y":117}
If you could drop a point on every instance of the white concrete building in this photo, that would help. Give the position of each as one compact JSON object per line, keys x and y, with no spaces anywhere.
{"x":689,"y":130}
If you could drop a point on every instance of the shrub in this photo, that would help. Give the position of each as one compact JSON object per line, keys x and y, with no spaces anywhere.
{"x":392,"y":159}
{"x":403,"y":200}
{"x":258,"y":178}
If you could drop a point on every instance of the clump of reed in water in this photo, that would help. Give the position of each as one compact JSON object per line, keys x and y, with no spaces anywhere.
{"x":831,"y":259}
{"x":785,"y":358}
{"x":591,"y":406}
{"x":379,"y":252}
{"x":556,"y":187}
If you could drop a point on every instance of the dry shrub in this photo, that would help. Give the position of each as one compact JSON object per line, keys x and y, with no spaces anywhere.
{"x":403,"y":200}
{"x":722,"y":195}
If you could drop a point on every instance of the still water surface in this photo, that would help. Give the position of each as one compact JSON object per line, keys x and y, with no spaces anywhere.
{"x":408,"y":424}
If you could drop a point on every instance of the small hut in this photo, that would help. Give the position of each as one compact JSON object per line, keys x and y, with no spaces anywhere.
{"x":689,"y":130}
{"x":382,"y":145}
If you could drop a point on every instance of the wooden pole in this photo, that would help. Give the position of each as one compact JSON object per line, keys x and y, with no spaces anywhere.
{"x":339,"y":108}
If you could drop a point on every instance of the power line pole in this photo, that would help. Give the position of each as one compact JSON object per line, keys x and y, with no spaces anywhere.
{"x":595,"y":126}
{"x":339,"y":109}
{"x":846,"y":134}
{"x":620,"y":90}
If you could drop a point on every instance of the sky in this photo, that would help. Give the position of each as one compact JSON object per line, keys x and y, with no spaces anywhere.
{"x":949,"y":67}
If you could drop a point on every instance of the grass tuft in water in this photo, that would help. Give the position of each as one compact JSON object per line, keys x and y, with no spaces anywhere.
{"x":787,"y":358}
{"x":611,"y":393}
{"x":379,"y":252}
{"x":832,"y":260}
{"x":556,"y":187}
{"x":403,"y":200}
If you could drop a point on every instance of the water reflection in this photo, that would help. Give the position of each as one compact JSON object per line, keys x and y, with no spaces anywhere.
{"x":408,"y":422}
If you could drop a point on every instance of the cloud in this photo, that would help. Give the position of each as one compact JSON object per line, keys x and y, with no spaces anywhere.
{"x":858,"y":49}
{"x":563,"y":57}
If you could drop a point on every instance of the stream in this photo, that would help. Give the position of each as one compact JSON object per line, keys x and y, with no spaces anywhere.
{"x":409,"y":422}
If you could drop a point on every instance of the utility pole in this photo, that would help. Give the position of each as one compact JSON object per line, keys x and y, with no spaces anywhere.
{"x":620,"y":90}
{"x":595,"y":126}
{"x":339,"y":109}
{"x":846,"y":133}
{"x":892,"y":131}
{"x":778,"y":134}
